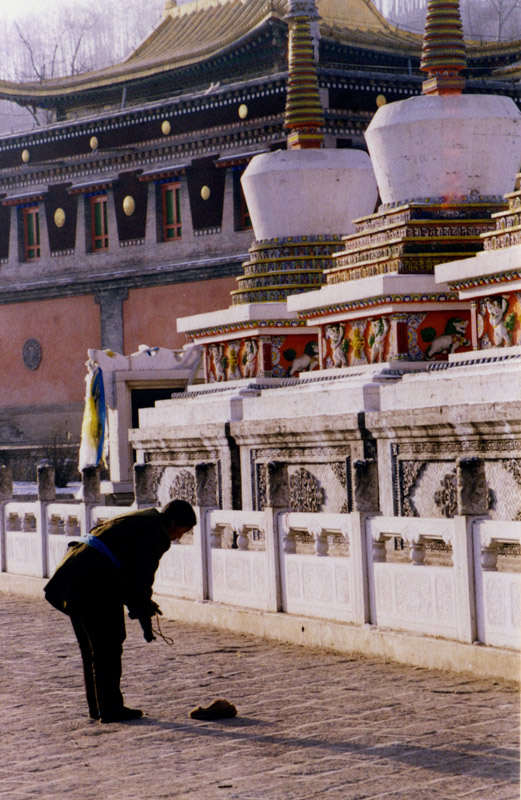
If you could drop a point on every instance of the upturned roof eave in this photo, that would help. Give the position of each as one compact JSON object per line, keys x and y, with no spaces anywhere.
{"x":119,"y":74}
{"x":382,"y":37}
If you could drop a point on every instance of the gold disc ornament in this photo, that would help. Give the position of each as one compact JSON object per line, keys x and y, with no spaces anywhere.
{"x":59,"y":217}
{"x":129,"y":205}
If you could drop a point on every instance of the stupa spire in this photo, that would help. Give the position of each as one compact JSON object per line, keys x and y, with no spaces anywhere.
{"x":304,"y":116}
{"x":443,"y":55}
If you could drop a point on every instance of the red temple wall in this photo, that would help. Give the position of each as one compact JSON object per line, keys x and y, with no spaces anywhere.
{"x":65,"y":328}
{"x":150,"y":314}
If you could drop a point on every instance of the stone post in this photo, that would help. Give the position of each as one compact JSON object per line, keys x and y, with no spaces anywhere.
{"x":472,"y":500}
{"x":6,"y":494}
{"x":46,"y":485}
{"x":366,"y":500}
{"x":472,"y":490}
{"x":465,"y":587}
{"x":277,"y":503}
{"x":6,"y":484}
{"x":144,"y":486}
{"x":206,"y":498}
{"x":90,"y":479}
{"x":46,"y":495}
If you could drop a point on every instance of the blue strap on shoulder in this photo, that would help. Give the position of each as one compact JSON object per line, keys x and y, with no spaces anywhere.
{"x":97,"y":544}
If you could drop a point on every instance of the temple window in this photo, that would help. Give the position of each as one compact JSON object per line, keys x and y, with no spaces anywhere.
{"x":171,"y":206}
{"x":99,"y":222}
{"x":31,"y":232}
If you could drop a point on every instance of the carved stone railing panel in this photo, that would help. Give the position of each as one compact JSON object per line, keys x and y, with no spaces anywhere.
{"x":498,"y":594}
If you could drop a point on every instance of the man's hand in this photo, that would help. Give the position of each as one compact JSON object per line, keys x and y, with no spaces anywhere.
{"x":146,"y":624}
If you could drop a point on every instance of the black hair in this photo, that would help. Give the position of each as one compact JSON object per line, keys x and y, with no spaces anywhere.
{"x":179,"y":512}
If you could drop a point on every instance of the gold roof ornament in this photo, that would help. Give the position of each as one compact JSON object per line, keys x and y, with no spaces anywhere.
{"x":304,"y":115}
{"x":443,"y":55}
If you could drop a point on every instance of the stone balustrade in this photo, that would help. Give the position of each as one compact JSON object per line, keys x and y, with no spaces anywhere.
{"x":455,"y":579}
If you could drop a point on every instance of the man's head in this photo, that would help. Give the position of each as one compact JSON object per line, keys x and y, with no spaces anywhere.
{"x":179,"y":518}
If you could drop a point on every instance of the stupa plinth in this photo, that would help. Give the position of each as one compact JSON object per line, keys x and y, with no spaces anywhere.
{"x":301,"y":202}
{"x":491,"y":282}
{"x":443,"y":162}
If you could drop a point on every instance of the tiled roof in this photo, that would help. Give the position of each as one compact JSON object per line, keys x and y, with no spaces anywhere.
{"x":198,"y":30}
{"x":201,"y":29}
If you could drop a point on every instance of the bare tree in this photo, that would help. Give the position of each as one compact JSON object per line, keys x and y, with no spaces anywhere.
{"x":487,"y":19}
{"x":69,"y":40}
{"x":504,"y":10}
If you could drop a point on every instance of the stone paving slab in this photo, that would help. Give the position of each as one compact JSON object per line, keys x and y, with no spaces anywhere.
{"x":311,"y":724}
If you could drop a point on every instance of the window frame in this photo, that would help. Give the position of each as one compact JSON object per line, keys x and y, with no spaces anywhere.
{"x":32,"y":252}
{"x":176,"y":226}
{"x":99,"y":241}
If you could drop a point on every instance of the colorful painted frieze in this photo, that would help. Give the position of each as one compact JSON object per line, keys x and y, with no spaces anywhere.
{"x":498,"y":320}
{"x":412,"y":336}
{"x":262,"y":356}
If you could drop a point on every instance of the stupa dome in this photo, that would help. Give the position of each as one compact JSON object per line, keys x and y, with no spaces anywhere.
{"x":450,"y":146}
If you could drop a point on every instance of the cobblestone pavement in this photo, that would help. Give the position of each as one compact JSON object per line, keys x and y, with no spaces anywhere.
{"x":311,"y":724}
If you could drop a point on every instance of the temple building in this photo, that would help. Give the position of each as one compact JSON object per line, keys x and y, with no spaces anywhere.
{"x":411,"y":369}
{"x":127,"y":212}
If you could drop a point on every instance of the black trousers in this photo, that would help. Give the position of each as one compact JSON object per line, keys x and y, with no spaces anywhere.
{"x":100,"y":632}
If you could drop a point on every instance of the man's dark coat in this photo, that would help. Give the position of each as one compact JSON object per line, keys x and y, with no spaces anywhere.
{"x":86,"y":577}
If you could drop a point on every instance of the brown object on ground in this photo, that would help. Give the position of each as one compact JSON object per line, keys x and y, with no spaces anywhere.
{"x":219,"y":709}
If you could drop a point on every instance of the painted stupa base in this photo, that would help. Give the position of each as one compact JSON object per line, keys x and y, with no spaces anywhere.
{"x":385,"y":319}
{"x":253,"y":340}
{"x":413,"y":237}
{"x":491,"y":282}
{"x":280,"y":267}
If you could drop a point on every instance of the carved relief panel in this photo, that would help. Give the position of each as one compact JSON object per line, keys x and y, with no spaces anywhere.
{"x":318,"y":480}
{"x":198,"y":484}
{"x":425,"y":479}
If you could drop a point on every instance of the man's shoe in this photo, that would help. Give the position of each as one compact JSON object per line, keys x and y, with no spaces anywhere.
{"x":123,"y":714}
